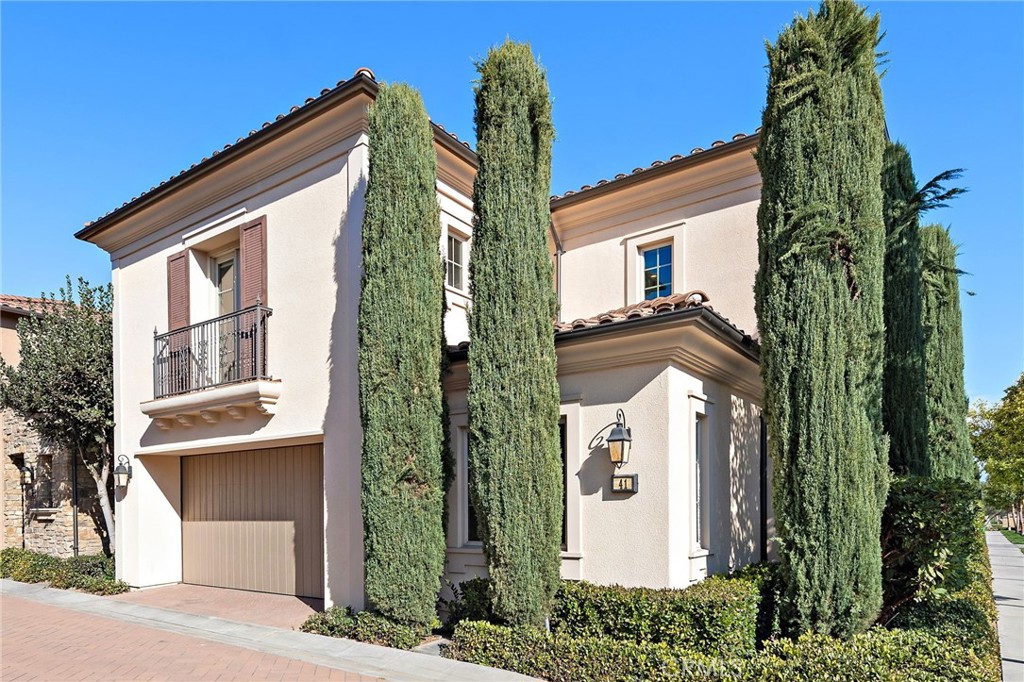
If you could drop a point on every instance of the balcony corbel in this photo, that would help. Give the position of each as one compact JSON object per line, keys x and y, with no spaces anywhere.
{"x":206,"y":407}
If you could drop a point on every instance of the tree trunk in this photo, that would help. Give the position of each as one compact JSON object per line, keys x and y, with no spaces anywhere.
{"x":100,"y":476}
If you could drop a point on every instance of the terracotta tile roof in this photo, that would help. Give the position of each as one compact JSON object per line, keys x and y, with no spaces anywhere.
{"x":696,"y":151}
{"x":24,"y":305}
{"x":657,"y":306}
{"x":692,"y":300}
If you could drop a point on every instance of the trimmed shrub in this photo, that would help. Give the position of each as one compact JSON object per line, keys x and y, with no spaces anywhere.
{"x":949,"y":443}
{"x":471,"y":600}
{"x":715,"y":616}
{"x":94,"y":573}
{"x":879,"y":654}
{"x":562,"y":658}
{"x":765,"y":577}
{"x":512,"y":384}
{"x":930,"y":535}
{"x":372,"y":628}
{"x":400,"y":401}
{"x":819,"y":304}
{"x":903,"y":401}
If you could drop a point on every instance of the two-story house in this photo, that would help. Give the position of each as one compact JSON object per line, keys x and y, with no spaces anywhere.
{"x":236,"y":291}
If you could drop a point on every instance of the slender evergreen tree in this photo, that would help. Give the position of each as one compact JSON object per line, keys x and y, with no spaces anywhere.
{"x":513,"y":391}
{"x":949,"y":445}
{"x":819,"y":297}
{"x":903,"y":398}
{"x":400,"y":397}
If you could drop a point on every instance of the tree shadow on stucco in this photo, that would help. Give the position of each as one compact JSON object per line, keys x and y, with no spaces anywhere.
{"x":745,"y":482}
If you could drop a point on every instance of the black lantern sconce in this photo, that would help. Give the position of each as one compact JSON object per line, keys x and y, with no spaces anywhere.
{"x":26,"y":475}
{"x":620,"y":441}
{"x":122,"y":472}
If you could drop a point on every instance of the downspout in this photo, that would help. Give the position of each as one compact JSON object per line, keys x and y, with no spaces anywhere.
{"x":558,"y":267}
{"x":74,"y":502}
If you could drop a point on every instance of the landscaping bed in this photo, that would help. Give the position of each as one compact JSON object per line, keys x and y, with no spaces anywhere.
{"x":1014,"y":537}
{"x":92,"y":573}
{"x":938,"y":623}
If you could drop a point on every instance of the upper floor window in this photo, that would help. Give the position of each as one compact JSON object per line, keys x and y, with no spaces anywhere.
{"x":657,"y":271}
{"x":455,"y":262}
{"x":225,"y":282}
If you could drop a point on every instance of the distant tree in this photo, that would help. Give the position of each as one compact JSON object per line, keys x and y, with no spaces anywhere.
{"x":819,"y":298}
{"x":63,"y":385}
{"x":997,"y":437}
{"x":515,"y":465}
{"x":400,"y":340}
{"x":949,"y":446}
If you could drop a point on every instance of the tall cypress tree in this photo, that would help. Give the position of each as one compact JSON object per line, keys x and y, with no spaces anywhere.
{"x":903,"y":401}
{"x":949,"y":445}
{"x":400,"y":362}
{"x":513,"y":391}
{"x":819,"y":305}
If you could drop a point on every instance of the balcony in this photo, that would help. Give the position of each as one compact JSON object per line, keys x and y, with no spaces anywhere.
{"x":212,"y":368}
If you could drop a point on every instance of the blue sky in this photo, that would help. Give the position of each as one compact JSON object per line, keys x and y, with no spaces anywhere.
{"x":101,"y":101}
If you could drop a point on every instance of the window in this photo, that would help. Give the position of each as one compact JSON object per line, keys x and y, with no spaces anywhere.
{"x":225,"y":281}
{"x":455,"y":263}
{"x":657,"y":271}
{"x":700,"y":475}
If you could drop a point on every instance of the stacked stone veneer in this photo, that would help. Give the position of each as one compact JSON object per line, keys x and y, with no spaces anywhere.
{"x":49,"y":525}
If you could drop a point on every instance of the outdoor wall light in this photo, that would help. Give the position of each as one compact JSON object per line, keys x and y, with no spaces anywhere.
{"x":26,"y":475}
{"x":620,"y":440}
{"x":122,"y":472}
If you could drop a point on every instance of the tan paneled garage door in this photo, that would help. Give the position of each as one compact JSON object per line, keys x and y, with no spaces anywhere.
{"x":253,"y":520}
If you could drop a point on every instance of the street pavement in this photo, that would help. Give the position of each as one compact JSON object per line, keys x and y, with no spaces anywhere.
{"x":1008,"y":587}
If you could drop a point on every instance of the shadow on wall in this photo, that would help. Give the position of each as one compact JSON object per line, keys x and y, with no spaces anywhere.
{"x":343,"y":521}
{"x":745,"y":483}
{"x":616,"y":389}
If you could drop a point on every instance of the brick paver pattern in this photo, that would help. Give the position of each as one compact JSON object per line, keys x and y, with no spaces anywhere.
{"x":42,"y":642}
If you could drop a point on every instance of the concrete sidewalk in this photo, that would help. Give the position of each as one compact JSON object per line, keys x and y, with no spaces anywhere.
{"x":1008,"y":586}
{"x":354,"y":658}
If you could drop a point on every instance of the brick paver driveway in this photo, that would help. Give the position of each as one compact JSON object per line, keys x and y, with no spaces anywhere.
{"x":42,"y":642}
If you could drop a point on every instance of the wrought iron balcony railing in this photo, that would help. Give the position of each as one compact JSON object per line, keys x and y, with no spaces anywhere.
{"x":225,"y":350}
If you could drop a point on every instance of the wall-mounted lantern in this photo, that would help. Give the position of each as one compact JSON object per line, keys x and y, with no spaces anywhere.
{"x":620,"y":440}
{"x":26,"y":475}
{"x":122,"y":472}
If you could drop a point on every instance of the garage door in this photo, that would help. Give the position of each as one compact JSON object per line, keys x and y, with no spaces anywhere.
{"x":253,"y":520}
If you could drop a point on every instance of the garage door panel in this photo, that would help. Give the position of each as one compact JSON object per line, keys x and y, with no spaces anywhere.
{"x":253,"y":520}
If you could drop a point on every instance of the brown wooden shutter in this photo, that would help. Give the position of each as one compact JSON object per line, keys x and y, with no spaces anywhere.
{"x":253,"y":256}
{"x":177,"y":290}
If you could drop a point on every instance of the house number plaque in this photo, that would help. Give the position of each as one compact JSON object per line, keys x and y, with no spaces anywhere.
{"x":625,"y":483}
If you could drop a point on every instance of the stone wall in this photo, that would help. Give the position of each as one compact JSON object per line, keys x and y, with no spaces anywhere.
{"x":48,"y":527}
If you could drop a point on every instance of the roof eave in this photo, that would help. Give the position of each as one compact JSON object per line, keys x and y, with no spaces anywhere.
{"x":665,"y":168}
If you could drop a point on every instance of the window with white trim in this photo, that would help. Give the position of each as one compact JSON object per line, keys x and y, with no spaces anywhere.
{"x":455,"y":262}
{"x":700,"y":481}
{"x":657,"y":271}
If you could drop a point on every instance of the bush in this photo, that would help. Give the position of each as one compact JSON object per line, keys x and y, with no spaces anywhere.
{"x":562,"y":658}
{"x":94,"y":573}
{"x":766,"y":578}
{"x":878,"y":654}
{"x":718,"y":615}
{"x":930,"y":534}
{"x":372,"y":628}
{"x":470,"y":601}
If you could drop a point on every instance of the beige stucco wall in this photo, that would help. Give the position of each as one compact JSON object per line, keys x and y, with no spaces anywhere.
{"x":646,"y":538}
{"x":708,"y":212}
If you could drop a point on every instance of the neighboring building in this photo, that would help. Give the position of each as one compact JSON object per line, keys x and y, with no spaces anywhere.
{"x":236,"y":288}
{"x":42,"y":512}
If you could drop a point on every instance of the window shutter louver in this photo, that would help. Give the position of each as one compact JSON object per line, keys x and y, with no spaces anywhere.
{"x":177,"y":290}
{"x":252,"y":242}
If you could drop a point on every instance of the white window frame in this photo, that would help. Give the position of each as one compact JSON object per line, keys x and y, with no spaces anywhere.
{"x":215,"y":260}
{"x":699,"y":465}
{"x":463,"y":239}
{"x":654,"y":246}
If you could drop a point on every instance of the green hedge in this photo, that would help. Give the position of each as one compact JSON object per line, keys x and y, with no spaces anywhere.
{"x":561,"y":658}
{"x":94,"y":573}
{"x":718,"y":615}
{"x":879,"y":654}
{"x":372,"y":628}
